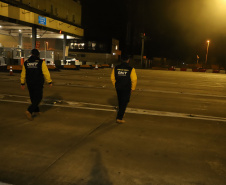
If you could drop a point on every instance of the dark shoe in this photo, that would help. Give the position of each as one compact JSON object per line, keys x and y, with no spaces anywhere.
{"x":120,"y":121}
{"x":28,"y":115}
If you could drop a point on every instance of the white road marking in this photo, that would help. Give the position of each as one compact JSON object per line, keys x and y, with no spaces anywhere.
{"x":182,"y":93}
{"x":80,"y":105}
{"x":2,"y":183}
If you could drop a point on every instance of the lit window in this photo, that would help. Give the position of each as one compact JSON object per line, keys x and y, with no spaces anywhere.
{"x":94,"y":46}
{"x":72,"y":46}
{"x":81,"y":46}
{"x":75,"y":45}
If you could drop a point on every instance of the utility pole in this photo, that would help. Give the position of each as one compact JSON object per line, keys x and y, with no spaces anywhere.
{"x":197,"y":59}
{"x":142,"y":48}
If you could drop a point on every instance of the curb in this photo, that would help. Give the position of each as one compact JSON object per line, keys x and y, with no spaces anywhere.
{"x":202,"y":70}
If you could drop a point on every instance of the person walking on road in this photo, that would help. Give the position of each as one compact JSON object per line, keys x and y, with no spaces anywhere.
{"x":34,"y":73}
{"x":124,"y":79}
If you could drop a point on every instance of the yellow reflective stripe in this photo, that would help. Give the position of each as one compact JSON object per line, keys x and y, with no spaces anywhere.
{"x":113,"y":77}
{"x":133,"y":77}
{"x":45,"y":72}
{"x":23,"y":75}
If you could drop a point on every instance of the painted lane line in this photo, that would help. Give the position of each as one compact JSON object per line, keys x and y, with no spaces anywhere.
{"x":150,"y":90}
{"x":133,"y":111}
{"x":56,"y":100}
{"x":2,"y":183}
{"x":182,"y":93}
{"x":174,"y":114}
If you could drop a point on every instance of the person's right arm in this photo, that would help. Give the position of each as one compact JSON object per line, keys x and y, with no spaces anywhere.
{"x":113,"y":77}
{"x":22,"y":77}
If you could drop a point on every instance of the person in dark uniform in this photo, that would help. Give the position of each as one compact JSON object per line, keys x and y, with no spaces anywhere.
{"x":124,"y":79}
{"x":34,"y":73}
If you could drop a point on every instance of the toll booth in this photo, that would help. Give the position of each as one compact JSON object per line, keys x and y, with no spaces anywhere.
{"x":17,"y":54}
{"x":48,"y":56}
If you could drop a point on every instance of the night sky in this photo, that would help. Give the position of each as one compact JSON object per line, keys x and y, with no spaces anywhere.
{"x":176,"y":29}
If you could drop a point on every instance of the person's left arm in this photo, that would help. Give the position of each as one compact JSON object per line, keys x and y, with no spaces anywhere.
{"x":46,"y":73}
{"x":133,"y":77}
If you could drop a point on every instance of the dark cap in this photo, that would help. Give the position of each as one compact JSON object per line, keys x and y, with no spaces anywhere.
{"x":35,"y":52}
{"x":125,"y":57}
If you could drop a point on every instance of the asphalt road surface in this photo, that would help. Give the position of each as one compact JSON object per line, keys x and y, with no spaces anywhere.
{"x":175,"y":131}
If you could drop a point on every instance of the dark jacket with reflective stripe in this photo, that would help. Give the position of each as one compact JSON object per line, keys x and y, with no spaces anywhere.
{"x":33,"y":68}
{"x":122,"y":76}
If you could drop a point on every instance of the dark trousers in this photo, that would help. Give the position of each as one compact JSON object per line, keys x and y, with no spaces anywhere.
{"x":36,"y":92}
{"x":123,"y":100}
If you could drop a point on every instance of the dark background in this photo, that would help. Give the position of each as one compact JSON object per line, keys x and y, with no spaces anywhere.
{"x":175,"y":29}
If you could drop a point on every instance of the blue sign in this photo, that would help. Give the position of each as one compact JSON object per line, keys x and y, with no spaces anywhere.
{"x":42,"y":20}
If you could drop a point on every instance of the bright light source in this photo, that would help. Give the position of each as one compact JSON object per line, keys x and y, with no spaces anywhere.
{"x":114,"y":53}
{"x":19,"y":30}
{"x":116,"y":47}
{"x":208,"y":41}
{"x":0,"y":26}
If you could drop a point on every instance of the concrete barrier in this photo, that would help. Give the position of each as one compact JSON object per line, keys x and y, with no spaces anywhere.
{"x":209,"y":70}
{"x":215,"y":71}
{"x":69,"y":67}
{"x":195,"y":70}
{"x":172,"y":69}
{"x":183,"y":69}
{"x":106,"y":65}
{"x":202,"y":70}
{"x":96,"y":66}
{"x":86,"y":67}
{"x":15,"y":67}
{"x":51,"y":67}
{"x":159,"y":68}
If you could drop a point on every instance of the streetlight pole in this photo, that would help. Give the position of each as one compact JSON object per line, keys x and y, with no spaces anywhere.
{"x":197,"y":59}
{"x":207,"y":50}
{"x":142,"y":48}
